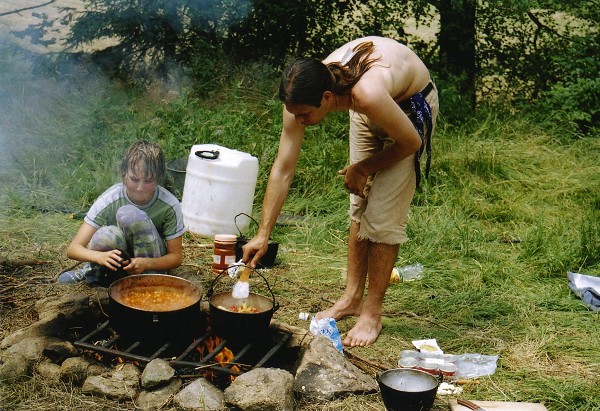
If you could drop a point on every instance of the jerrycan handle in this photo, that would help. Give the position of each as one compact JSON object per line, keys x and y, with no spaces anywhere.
{"x":208,"y":154}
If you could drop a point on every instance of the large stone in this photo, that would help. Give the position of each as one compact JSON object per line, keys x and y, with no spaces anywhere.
{"x":121,"y":384}
{"x":324,"y":373}
{"x":158,"y":398}
{"x":75,"y":369}
{"x":30,"y":347}
{"x":55,"y":316}
{"x":54,"y":325}
{"x":262,"y":389}
{"x":156,"y":373}
{"x":18,"y":359}
{"x":71,"y":305}
{"x":200,"y":395}
{"x":59,"y":351}
{"x":17,"y":369}
{"x":49,"y":371}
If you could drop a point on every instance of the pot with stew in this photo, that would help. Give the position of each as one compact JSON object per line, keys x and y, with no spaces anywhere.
{"x":155,"y":308}
{"x":241,"y":320}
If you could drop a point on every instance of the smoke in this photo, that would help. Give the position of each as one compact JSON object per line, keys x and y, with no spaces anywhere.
{"x":49,"y":112}
{"x":42,"y":119}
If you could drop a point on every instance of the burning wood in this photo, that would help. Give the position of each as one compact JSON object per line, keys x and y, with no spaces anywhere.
{"x":214,"y":347}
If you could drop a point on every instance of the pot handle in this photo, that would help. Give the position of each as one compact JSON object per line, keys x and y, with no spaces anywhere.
{"x":235,"y":222}
{"x":241,"y":236}
{"x":210,"y":291}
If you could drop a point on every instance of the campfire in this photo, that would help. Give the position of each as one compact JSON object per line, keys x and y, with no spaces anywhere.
{"x":224,"y":357}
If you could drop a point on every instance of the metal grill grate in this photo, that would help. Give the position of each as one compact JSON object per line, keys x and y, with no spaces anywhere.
{"x":247,"y":356}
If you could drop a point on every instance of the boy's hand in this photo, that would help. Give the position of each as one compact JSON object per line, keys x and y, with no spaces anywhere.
{"x":354,"y":180}
{"x":135,"y":266}
{"x":114,"y":259}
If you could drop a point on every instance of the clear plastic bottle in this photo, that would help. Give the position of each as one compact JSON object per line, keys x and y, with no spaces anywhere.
{"x":410,"y":272}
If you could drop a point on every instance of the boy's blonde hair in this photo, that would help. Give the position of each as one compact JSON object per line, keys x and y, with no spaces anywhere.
{"x":147,"y":155}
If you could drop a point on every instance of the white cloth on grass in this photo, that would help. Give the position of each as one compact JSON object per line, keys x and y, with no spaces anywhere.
{"x":587,"y":288}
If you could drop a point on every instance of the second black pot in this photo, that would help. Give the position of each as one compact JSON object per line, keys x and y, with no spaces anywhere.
{"x":405,"y":389}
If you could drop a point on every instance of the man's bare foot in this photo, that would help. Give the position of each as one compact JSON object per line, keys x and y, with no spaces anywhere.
{"x":340,"y":309}
{"x":365,"y":332}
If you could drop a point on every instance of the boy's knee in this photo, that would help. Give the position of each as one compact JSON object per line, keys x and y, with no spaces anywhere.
{"x":108,"y":238}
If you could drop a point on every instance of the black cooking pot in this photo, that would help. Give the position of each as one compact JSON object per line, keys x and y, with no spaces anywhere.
{"x":155,"y":308}
{"x":405,"y":389}
{"x":241,"y":327}
{"x":268,"y":259}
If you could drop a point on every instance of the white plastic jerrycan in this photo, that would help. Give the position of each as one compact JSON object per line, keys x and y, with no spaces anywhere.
{"x":219,"y":185}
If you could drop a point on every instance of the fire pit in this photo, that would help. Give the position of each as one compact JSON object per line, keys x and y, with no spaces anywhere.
{"x":205,"y":353}
{"x":74,"y":343}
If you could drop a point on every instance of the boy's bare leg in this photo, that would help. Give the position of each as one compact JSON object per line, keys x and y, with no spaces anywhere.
{"x":381,"y":259}
{"x":350,"y":302}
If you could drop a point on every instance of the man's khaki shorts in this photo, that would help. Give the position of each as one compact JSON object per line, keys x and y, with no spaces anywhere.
{"x":383,"y":214}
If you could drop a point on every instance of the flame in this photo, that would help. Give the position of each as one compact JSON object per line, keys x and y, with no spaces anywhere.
{"x":224,"y":357}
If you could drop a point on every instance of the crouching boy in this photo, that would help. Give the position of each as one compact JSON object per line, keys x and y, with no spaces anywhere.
{"x":134,"y":227}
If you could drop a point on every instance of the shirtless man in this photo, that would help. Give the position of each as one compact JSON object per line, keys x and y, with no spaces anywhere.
{"x":393,"y":106}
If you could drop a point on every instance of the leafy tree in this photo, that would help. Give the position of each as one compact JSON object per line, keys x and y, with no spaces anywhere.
{"x":275,"y":30}
{"x":151,"y":35}
{"x":542,"y":52}
{"x":456,"y":39}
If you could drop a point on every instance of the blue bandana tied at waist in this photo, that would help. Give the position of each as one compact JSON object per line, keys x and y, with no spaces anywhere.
{"x":421,"y":118}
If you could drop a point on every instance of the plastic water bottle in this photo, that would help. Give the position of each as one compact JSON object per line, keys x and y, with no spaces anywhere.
{"x":407,"y":273}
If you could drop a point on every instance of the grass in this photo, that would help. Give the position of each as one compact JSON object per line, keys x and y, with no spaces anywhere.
{"x":510,"y":207}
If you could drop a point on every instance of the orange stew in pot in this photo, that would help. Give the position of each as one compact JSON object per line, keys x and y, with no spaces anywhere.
{"x":156,"y":299}
{"x":244,"y":308}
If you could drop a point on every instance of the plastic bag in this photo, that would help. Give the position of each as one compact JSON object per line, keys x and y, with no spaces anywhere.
{"x":587,"y":288}
{"x":327,"y":328}
{"x":475,"y":365}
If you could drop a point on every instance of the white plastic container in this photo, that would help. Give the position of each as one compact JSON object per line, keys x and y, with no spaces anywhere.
{"x":219,"y":184}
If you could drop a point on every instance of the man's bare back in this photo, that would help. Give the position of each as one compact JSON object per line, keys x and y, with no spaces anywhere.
{"x":399,"y":68}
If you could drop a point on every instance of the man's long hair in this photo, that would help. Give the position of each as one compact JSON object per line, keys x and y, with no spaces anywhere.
{"x":306,"y":79}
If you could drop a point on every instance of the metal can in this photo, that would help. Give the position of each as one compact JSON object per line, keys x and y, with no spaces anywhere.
{"x":428,"y":367}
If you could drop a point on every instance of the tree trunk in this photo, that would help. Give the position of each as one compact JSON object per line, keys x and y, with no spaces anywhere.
{"x":457,"y":42}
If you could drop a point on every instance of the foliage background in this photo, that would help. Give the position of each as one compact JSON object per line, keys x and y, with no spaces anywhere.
{"x":528,"y":53}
